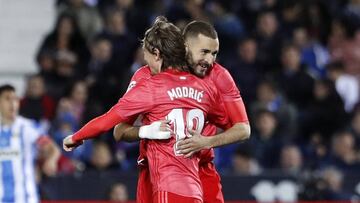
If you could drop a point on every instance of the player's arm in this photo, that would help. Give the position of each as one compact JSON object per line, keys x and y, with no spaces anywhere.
{"x":235,"y":133}
{"x":234,"y":106}
{"x":126,"y":132}
{"x":157,"y":130}
{"x":93,"y":128}
{"x":130,"y":105}
{"x":238,"y":128}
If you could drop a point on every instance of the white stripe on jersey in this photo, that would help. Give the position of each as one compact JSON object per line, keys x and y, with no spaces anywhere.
{"x":21,"y":154}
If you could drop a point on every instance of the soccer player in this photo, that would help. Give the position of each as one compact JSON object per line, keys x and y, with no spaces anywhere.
{"x":172,"y":94}
{"x":18,"y":137}
{"x":202,"y":45}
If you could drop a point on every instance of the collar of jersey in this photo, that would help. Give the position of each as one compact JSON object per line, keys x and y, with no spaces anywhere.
{"x":175,"y":71}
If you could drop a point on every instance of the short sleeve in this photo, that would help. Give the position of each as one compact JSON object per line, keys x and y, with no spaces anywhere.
{"x":226,"y":85}
{"x":217,"y":114}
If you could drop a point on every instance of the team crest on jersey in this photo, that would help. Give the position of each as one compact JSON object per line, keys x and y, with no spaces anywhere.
{"x":131,"y":85}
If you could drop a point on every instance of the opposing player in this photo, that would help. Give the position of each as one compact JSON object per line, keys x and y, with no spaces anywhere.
{"x":172,"y":94}
{"x":202,"y":45}
{"x":18,"y":139}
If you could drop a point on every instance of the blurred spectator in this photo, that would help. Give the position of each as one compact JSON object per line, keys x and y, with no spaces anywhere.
{"x":293,"y":79}
{"x":268,"y":40}
{"x":66,"y":36}
{"x":315,"y":151}
{"x":291,"y":17}
{"x":355,"y":128}
{"x":265,"y":139}
{"x":88,"y":18}
{"x":188,"y":9}
{"x":353,"y":7}
{"x":334,"y":180}
{"x":118,"y":193}
{"x":325,"y":114}
{"x":245,"y":69}
{"x":343,"y":154}
{"x":101,"y":157}
{"x":46,"y":62}
{"x":63,"y":75}
{"x":78,"y":97}
{"x":138,"y":60}
{"x":291,"y":160}
{"x":124,"y":45}
{"x":269,"y":98}
{"x":317,"y":21}
{"x":123,"y":42}
{"x":244,"y":163}
{"x":101,"y":52}
{"x":344,"y":42}
{"x":228,"y":25}
{"x":69,"y":116}
{"x":36,"y":104}
{"x":137,"y":14}
{"x":347,"y":86}
{"x":313,"y":54}
{"x":100,"y":71}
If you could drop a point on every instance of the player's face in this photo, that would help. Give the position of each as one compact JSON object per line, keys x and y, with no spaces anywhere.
{"x":152,"y":61}
{"x":202,"y":52}
{"x":9,"y":105}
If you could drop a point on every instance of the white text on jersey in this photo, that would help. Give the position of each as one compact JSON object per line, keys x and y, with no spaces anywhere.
{"x":189,"y":92}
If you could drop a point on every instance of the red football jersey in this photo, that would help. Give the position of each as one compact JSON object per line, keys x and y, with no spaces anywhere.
{"x":221,"y":78}
{"x":185,"y":100}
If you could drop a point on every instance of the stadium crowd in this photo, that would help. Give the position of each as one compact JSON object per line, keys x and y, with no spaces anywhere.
{"x":296,"y":63}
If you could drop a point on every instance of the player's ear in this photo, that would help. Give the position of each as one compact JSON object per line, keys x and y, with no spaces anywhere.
{"x":186,"y":47}
{"x":157,"y":54}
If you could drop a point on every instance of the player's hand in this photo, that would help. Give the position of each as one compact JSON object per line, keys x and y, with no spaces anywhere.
{"x":158,"y":130}
{"x":69,"y":144}
{"x":193,"y":144}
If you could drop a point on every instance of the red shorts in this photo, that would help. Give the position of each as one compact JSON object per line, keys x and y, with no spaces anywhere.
{"x":210,"y":181}
{"x":168,"y":197}
{"x":144,"y":187}
{"x":209,"y":177}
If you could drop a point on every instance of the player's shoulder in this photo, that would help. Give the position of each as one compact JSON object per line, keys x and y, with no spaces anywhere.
{"x":217,"y":68}
{"x":143,"y":71}
{"x":217,"y":73}
{"x":26,"y":123}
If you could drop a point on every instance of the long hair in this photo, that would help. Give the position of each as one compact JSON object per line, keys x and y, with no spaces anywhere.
{"x":167,"y":38}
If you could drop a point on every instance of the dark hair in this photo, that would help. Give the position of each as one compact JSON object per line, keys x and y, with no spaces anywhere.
{"x":194,"y":28}
{"x":167,"y":38}
{"x":5,"y":88}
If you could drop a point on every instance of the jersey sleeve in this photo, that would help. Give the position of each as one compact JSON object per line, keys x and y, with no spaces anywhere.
{"x":138,"y":100}
{"x":230,"y":94}
{"x":217,"y":114}
{"x":226,"y":85}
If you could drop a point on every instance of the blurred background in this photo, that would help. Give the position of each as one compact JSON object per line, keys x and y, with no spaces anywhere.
{"x":296,"y":63}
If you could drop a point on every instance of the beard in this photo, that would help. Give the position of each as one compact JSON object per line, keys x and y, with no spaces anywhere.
{"x":199,"y":68}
